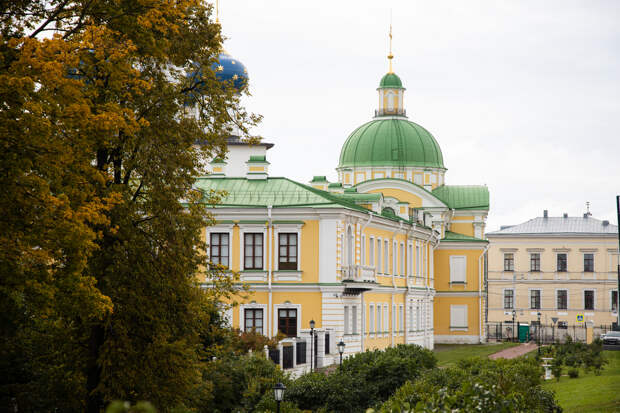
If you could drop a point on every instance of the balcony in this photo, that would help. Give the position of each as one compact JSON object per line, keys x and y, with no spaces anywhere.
{"x":359,"y":274}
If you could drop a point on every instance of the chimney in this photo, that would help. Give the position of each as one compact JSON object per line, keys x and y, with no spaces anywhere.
{"x":565,"y":215}
{"x":545,"y":214}
{"x":257,"y":167}
{"x":605,"y":223}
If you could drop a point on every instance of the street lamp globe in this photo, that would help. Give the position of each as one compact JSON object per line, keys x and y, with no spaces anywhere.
{"x":341,"y":347}
{"x":312,"y":324}
{"x":278,"y":391}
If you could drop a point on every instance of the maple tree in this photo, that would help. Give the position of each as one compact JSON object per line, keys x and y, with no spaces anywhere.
{"x":99,"y":122}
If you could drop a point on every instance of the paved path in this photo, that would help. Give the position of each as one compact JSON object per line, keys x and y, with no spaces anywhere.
{"x":513,"y":352}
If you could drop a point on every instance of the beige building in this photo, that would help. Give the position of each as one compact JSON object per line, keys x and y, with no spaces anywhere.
{"x":562,"y":267}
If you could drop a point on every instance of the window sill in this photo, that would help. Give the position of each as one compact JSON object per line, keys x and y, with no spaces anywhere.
{"x":458,"y":283}
{"x":458,"y":328}
{"x":286,"y":275}
{"x":253,"y":275}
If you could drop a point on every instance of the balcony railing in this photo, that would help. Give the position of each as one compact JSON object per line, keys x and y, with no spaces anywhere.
{"x":359,"y":273}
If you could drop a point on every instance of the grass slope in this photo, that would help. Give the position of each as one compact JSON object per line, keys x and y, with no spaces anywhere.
{"x":590,"y":393}
{"x":448,"y":354}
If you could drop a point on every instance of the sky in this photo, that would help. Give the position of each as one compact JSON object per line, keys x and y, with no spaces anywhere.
{"x":522,"y":96}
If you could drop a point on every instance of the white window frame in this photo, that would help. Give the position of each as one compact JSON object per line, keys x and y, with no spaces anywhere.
{"x":253,"y":306}
{"x":349,"y":250}
{"x":417,"y":261}
{"x":401,"y":312}
{"x":409,"y":259}
{"x":224,"y":229}
{"x":346,"y":320}
{"x":453,"y":278}
{"x":401,"y":259}
{"x":386,"y":257}
{"x":278,"y":307}
{"x":371,"y":319}
{"x":363,"y":250}
{"x":411,"y":319}
{"x":514,"y":298}
{"x":457,"y":307}
{"x":354,"y":319}
{"x":379,"y":315}
{"x":418,"y":315}
{"x":583,"y":299}
{"x":395,"y":258}
{"x":567,"y":299}
{"x":394,"y":320}
{"x":583,"y":261}
{"x":504,"y":261}
{"x":286,"y":229}
{"x":386,"y":319}
{"x":540,"y":296}
{"x":248,"y":228}
{"x":539,"y":261}
{"x":371,"y":252}
{"x":611,"y":298}
{"x":379,"y":248}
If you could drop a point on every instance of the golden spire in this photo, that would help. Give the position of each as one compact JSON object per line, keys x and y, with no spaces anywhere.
{"x":390,"y":56}
{"x":217,"y":11}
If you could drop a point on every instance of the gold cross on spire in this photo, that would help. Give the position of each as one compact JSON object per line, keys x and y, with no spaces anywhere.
{"x":217,"y":11}
{"x":390,"y":56}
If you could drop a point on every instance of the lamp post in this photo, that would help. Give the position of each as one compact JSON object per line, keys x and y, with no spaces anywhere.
{"x":514,"y":314}
{"x":341,"y":350}
{"x":278,"y":393}
{"x":312,"y":324}
{"x":538,"y":331}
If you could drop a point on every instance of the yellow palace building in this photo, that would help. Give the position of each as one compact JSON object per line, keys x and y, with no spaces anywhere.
{"x":388,"y":254}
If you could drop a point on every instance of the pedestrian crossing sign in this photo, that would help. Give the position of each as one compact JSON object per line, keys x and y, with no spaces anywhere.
{"x":580,"y":318}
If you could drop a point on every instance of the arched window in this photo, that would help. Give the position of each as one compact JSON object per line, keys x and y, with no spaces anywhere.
{"x":349,"y":246}
{"x":390,"y":101}
{"x":388,"y":211}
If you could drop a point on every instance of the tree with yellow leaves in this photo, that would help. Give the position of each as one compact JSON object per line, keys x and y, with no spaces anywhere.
{"x":100,"y":221}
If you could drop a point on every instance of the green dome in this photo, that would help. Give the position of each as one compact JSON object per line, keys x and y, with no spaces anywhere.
{"x":391,"y":80}
{"x":391,"y":142}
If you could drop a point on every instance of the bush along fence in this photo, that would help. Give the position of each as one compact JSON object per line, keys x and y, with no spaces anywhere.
{"x":295,"y":352}
{"x":545,"y":333}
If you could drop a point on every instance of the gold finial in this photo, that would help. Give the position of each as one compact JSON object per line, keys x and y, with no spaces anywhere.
{"x":217,"y":11}
{"x":390,"y":56}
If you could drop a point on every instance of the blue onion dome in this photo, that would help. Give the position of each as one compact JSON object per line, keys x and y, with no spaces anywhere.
{"x":228,"y":69}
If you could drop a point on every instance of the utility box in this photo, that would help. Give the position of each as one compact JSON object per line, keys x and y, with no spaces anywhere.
{"x":524,"y":333}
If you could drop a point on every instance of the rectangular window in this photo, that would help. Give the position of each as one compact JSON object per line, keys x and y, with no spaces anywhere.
{"x":379,"y":318}
{"x":509,"y":261}
{"x":409,"y":260}
{"x":287,"y":321}
{"x":220,"y":248}
{"x":614,"y":300}
{"x":588,"y":262}
{"x":562,"y":299}
{"x":253,"y":320}
{"x":535,"y":299}
{"x":287,"y":254}
{"x":386,"y":257}
{"x":394,"y":258}
{"x":401,"y":267}
{"x":394,"y":318}
{"x":562,"y":263}
{"x":378,"y":255}
{"x":371,"y":252}
{"x":253,"y":251}
{"x":458,"y":316}
{"x":346,"y":319}
{"x":417,"y":261}
{"x":458,"y":269}
{"x":509,"y":299}
{"x":418,"y":317}
{"x":400,"y":318}
{"x":363,"y":251}
{"x":354,"y":319}
{"x":371,"y":319}
{"x":535,"y":261}
{"x":410,"y":318}
{"x":588,"y":299}
{"x":386,"y":318}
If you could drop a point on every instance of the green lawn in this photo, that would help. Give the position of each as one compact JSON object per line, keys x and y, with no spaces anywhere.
{"x":590,"y":393}
{"x":448,"y":354}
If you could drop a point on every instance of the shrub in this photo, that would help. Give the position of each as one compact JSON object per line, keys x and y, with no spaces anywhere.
{"x":556,"y":369}
{"x":573,"y":373}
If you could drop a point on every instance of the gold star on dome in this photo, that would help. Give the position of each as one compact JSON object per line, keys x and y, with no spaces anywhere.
{"x":220,"y":68}
{"x":235,"y":77}
{"x":233,"y":62}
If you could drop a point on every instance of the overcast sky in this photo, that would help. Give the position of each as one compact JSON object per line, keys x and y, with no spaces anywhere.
{"x":523,"y":96}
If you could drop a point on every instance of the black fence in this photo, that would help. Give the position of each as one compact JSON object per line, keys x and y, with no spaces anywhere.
{"x":287,"y":357}
{"x":545,"y":333}
{"x":274,"y":355}
{"x":301,"y":352}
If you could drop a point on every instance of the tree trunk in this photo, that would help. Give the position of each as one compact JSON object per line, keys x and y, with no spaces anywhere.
{"x":94,"y":402}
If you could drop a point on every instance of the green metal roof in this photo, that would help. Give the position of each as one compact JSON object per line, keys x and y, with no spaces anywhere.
{"x":319,"y":178}
{"x":463,"y":196}
{"x":456,"y":237}
{"x":390,"y":80}
{"x":391,"y":142}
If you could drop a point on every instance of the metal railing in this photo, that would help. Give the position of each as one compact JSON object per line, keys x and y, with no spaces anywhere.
{"x":359,"y":273}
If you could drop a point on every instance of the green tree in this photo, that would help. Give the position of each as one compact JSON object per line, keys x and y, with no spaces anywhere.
{"x":100,"y":224}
